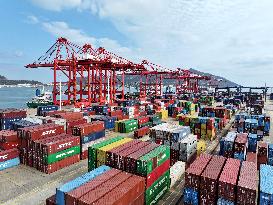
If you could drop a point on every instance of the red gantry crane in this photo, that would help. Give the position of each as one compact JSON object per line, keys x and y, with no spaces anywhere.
{"x":98,"y":76}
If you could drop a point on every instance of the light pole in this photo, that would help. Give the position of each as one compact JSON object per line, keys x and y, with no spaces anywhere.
{"x":60,"y":82}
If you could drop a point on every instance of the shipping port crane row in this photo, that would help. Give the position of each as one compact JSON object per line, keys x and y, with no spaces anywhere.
{"x":95,"y":75}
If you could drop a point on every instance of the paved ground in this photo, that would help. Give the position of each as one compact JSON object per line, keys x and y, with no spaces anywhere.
{"x":24,"y":185}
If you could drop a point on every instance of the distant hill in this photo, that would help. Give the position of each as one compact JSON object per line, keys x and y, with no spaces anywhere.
{"x":5,"y":81}
{"x":216,"y":80}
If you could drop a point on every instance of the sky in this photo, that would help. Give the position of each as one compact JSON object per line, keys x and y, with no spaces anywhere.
{"x":232,"y":39}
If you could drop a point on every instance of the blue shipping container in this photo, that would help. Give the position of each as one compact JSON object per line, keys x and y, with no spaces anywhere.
{"x":69,"y":186}
{"x":9,"y":163}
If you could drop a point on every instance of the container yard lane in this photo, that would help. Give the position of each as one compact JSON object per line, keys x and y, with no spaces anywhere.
{"x":174,"y":195}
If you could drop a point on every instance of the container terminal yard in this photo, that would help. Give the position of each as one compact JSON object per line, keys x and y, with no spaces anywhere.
{"x":101,"y":145}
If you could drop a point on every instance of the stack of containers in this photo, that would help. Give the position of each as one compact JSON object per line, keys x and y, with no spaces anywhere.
{"x":227,"y":145}
{"x":141,"y":158}
{"x":88,"y":132}
{"x":109,"y":122}
{"x":209,"y":180}
{"x":9,"y":116}
{"x":266,"y":125}
{"x":28,"y":135}
{"x":220,"y":112}
{"x":97,"y":152}
{"x":183,"y":144}
{"x":203,"y":127}
{"x":144,"y":121}
{"x":251,"y":126}
{"x":54,"y":153}
{"x":255,"y":124}
{"x":270,"y":154}
{"x":251,"y":157}
{"x":52,"y":113}
{"x":71,"y":123}
{"x":42,"y":109}
{"x":126,"y":126}
{"x":228,"y":182}
{"x":9,"y":158}
{"x":22,"y":123}
{"x":116,"y":113}
{"x":187,"y":148}
{"x":101,"y":186}
{"x":163,"y":114}
{"x":100,"y":109}
{"x":8,"y":139}
{"x":266,"y":185}
{"x":130,"y":111}
{"x":252,"y":142}
{"x":240,"y":146}
{"x":155,"y":119}
{"x":141,"y":132}
{"x":262,"y":152}
{"x":193,"y":179}
{"x":247,"y":184}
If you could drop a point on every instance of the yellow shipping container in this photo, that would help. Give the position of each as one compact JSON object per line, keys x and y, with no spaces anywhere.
{"x":203,"y":127}
{"x":101,"y":153}
{"x":164,"y":114}
{"x":116,"y":125}
{"x":211,"y":134}
{"x":201,"y":147}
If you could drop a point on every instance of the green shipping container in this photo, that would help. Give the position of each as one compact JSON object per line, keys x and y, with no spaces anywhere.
{"x":147,"y":163}
{"x":158,"y":189}
{"x":62,"y":154}
{"x":92,"y":151}
{"x":128,"y":126}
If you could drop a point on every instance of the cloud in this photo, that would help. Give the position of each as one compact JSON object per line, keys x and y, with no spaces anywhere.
{"x":57,"y":5}
{"x":78,"y":36}
{"x":4,"y":55}
{"x":32,"y":19}
{"x":62,"y":29}
{"x":223,"y":37}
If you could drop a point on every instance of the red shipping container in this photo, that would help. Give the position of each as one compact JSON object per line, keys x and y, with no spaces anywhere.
{"x":9,"y":154}
{"x":157,"y":172}
{"x":51,"y":200}
{"x":93,"y":196}
{"x":61,"y":164}
{"x":131,"y":160}
{"x":84,"y":155}
{"x":71,"y":124}
{"x":139,"y":201}
{"x":53,"y":113}
{"x":228,"y":180}
{"x":70,"y":115}
{"x":43,"y":131}
{"x":12,"y":113}
{"x":262,"y":153}
{"x":72,"y":197}
{"x":59,"y":143}
{"x":87,"y":128}
{"x":119,"y":159}
{"x":8,"y":145}
{"x":193,"y":173}
{"x":209,"y":179}
{"x":247,"y":184}
{"x":251,"y":157}
{"x":8,"y":136}
{"x":125,"y":193}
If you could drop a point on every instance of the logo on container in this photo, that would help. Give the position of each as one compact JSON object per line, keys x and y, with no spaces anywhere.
{"x":63,"y":154}
{"x":48,"y":132}
{"x":4,"y":156}
{"x":65,"y":145}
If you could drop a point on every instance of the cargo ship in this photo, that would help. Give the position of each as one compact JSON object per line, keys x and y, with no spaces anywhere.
{"x":41,"y":99}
